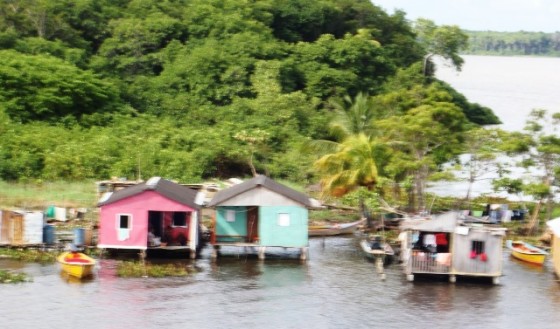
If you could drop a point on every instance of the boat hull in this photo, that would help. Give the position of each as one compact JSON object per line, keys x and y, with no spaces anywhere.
{"x":337,"y":229}
{"x":76,"y":264}
{"x":386,"y":253}
{"x":534,"y":259}
{"x":527,"y":253}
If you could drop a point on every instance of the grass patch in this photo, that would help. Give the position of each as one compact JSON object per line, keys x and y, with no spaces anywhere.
{"x":135,"y":269}
{"x":9,"y":277}
{"x":326,"y":216}
{"x":39,"y":195}
{"x":29,"y":255}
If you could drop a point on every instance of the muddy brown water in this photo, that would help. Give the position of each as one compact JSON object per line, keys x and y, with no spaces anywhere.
{"x":336,"y":288}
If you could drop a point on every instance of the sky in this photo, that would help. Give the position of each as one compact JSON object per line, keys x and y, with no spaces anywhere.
{"x":483,"y":15}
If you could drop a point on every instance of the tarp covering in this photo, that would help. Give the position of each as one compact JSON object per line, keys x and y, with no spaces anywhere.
{"x":554,"y":225}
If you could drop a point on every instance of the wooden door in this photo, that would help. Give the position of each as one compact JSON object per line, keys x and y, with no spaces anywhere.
{"x":17,"y":227}
{"x":253,"y":224}
{"x":5,"y":227}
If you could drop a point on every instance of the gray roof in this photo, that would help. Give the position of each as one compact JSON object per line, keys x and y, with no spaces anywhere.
{"x":446,"y":222}
{"x":259,"y":181}
{"x":166,"y":188}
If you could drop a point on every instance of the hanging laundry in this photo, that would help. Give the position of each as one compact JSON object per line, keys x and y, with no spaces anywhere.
{"x":429,"y":240}
{"x":441,"y":239}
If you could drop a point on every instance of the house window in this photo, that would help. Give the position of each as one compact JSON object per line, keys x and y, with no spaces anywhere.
{"x":230,"y":215}
{"x":124,"y":221}
{"x":477,"y":247}
{"x":283,"y":220}
{"x":180,"y":219}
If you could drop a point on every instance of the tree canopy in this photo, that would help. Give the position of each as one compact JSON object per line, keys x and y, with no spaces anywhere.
{"x":193,"y":89}
{"x":520,"y":43}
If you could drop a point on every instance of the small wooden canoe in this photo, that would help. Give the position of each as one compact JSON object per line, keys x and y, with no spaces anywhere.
{"x":384,"y":250}
{"x":335,"y":229}
{"x":76,"y":264}
{"x":526,"y":252}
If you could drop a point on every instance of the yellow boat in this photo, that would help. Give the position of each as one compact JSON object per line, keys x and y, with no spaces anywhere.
{"x":526,"y":252}
{"x":76,"y":264}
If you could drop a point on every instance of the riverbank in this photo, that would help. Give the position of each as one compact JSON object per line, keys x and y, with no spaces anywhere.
{"x":40,"y":195}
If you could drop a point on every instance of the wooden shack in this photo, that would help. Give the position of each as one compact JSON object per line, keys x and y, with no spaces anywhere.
{"x":449,"y":244}
{"x":554,"y":226}
{"x":170,"y":211}
{"x":260,"y":213}
{"x":20,"y":228}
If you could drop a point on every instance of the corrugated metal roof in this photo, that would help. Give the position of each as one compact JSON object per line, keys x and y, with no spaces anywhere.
{"x":259,"y":181}
{"x":168,"y":189}
{"x":446,"y":222}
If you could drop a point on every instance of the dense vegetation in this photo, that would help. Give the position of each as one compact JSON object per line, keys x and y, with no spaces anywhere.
{"x":513,"y":43}
{"x":192,"y":89}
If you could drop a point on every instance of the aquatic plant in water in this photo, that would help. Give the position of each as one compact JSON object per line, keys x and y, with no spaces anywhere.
{"x":137,"y":269}
{"x":29,"y":255}
{"x":9,"y":277}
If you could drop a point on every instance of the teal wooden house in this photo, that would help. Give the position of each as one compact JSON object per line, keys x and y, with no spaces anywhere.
{"x":260,"y":213}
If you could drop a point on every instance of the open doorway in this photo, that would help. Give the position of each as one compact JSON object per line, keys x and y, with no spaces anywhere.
{"x":155,"y":222}
{"x":253,"y":224}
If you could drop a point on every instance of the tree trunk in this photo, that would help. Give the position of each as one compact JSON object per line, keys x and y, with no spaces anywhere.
{"x":533,"y":224}
{"x":420,"y":184}
{"x":425,"y":64}
{"x":253,"y":169}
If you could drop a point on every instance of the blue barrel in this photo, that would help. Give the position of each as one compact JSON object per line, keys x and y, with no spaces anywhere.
{"x":79,"y":236}
{"x":49,"y":235}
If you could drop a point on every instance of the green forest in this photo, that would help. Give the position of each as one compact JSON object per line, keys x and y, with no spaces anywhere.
{"x":513,"y":43}
{"x":301,"y":90}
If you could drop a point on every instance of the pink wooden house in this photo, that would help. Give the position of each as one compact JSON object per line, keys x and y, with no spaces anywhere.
{"x":157,"y":214}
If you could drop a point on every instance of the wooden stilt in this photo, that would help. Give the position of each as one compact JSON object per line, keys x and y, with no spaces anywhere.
{"x":379,"y":264}
{"x":98,"y":263}
{"x":261,"y":253}
{"x":143,"y":260}
{"x":303,"y":254}
{"x":215,"y":252}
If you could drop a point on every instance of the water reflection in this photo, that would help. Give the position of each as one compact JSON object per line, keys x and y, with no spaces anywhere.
{"x":74,"y":280}
{"x":262,"y":274}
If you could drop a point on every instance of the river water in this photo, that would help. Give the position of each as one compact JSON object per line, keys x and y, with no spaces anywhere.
{"x":335,"y":288}
{"x":511,"y":87}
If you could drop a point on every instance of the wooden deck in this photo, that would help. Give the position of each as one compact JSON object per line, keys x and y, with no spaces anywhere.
{"x":169,"y":248}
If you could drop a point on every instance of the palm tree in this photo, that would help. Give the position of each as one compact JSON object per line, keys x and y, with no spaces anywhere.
{"x":349,"y":162}
{"x":353,"y":116}
{"x":351,"y":165}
